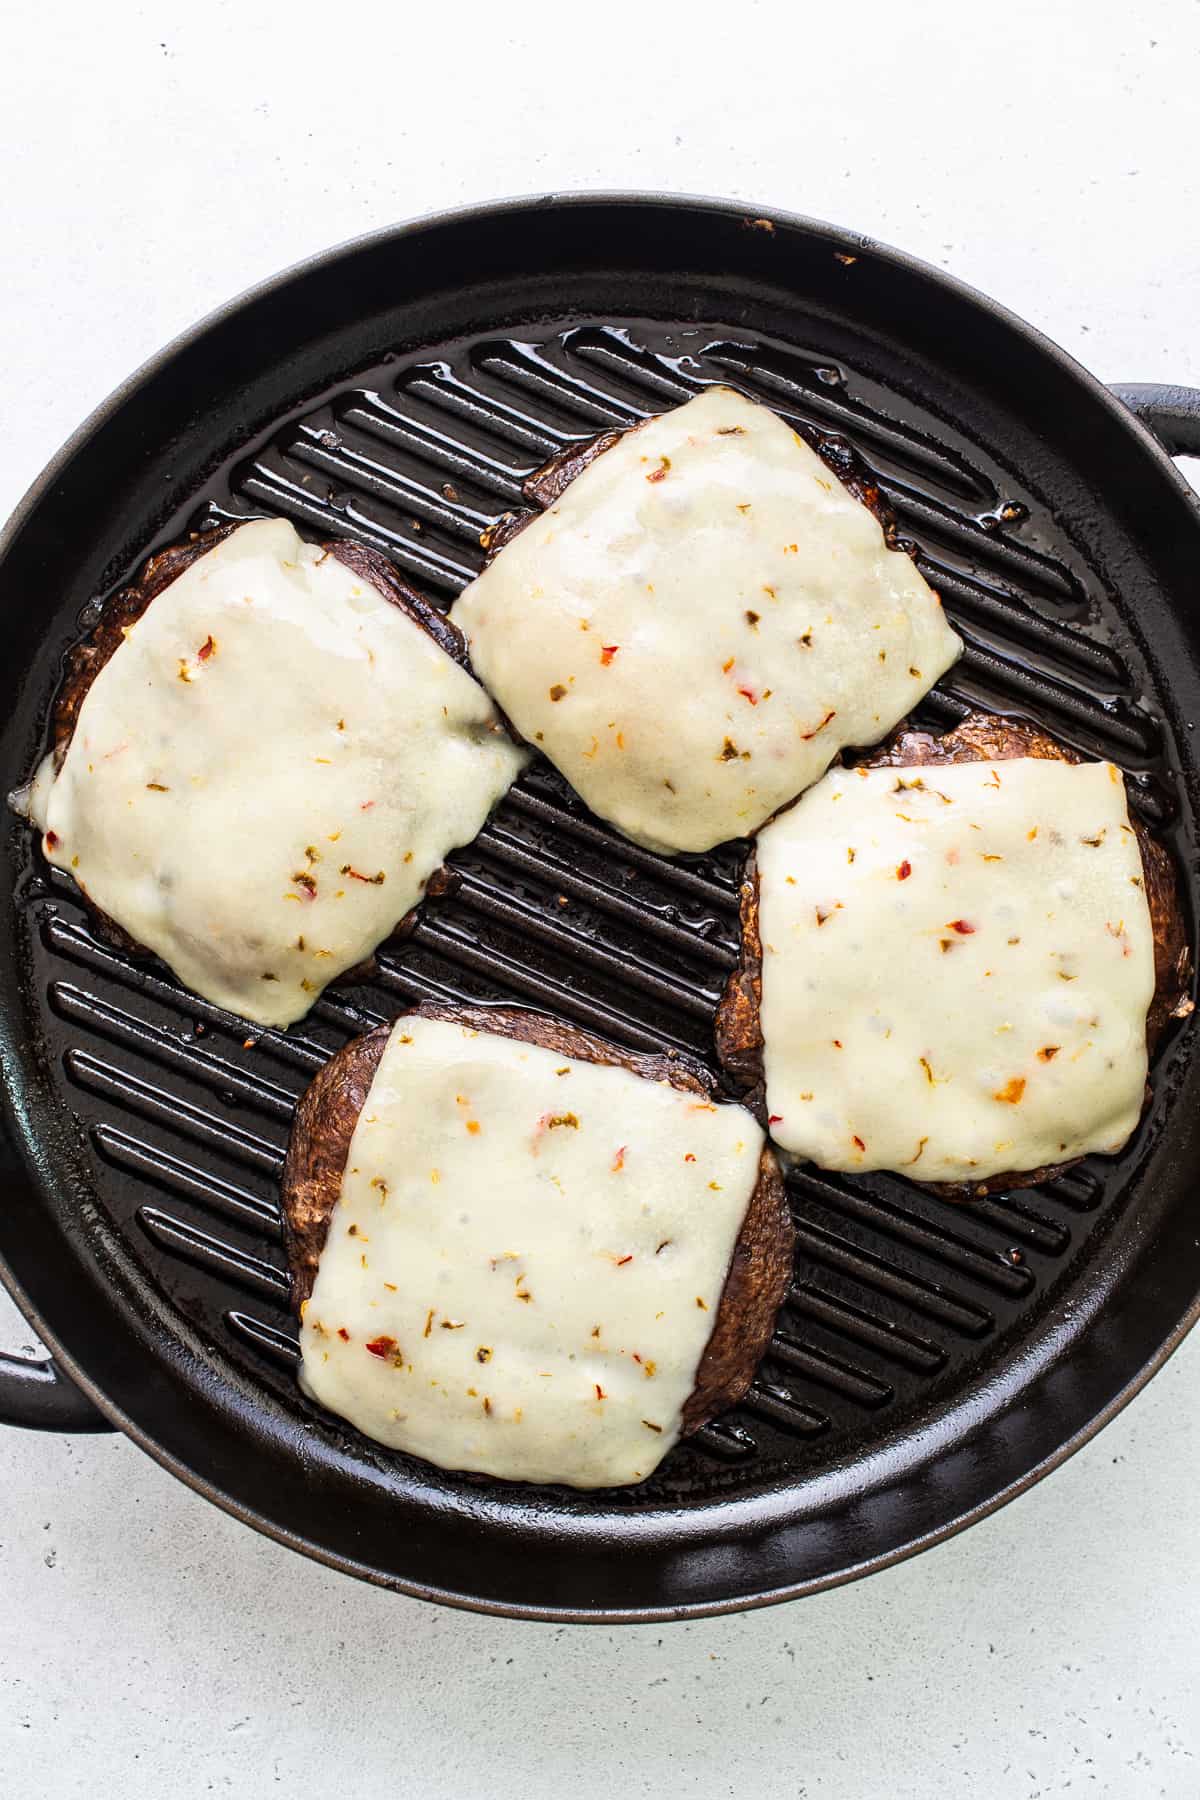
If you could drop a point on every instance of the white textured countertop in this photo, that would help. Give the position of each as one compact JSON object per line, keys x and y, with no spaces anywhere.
{"x":156,"y":161}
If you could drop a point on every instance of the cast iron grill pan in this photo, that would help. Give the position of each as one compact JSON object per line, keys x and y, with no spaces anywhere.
{"x":903,"y":1307}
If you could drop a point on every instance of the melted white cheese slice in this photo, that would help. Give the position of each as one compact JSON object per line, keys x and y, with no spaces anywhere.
{"x":957,"y":966}
{"x":527,"y":1258}
{"x":265,"y":774}
{"x":698,"y":626}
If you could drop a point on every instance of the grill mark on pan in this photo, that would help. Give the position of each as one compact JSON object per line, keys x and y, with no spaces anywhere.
{"x":1127,"y":731}
{"x":768,"y":1399}
{"x":118,"y":1084}
{"x":441,"y":386}
{"x":497,"y":846}
{"x":845,"y":1378}
{"x":585,"y":830}
{"x":79,"y":946}
{"x":724,"y":1441}
{"x":157,"y":1044}
{"x":939,"y":1242}
{"x":491,"y":903}
{"x":127,"y":1152}
{"x":821,"y":394}
{"x":353,"y":465}
{"x":214,"y":1255}
{"x":280,"y":1347}
{"x":651,"y":383}
{"x":851,"y":1323}
{"x":873,"y":1271}
{"x":962,"y":534}
{"x":987,"y":605}
{"x":405,"y":428}
{"x":552,"y":995}
{"x":571,"y":398}
{"x":287,"y":495}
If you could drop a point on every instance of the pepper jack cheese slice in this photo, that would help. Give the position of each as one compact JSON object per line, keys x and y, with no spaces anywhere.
{"x":702,"y":621}
{"x":526,"y":1258}
{"x":957,"y":966}
{"x":266,"y":772}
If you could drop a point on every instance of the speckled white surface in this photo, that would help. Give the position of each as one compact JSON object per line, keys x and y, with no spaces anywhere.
{"x":156,"y":160}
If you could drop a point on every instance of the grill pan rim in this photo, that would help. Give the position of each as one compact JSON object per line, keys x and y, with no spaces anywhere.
{"x":852,"y":242}
{"x":76,"y":1364}
{"x":467,"y":1602}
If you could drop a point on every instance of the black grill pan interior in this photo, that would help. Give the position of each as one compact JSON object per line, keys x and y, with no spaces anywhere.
{"x":903,"y":1306}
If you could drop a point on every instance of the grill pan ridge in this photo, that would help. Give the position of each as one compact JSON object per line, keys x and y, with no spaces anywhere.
{"x":905,"y":1313}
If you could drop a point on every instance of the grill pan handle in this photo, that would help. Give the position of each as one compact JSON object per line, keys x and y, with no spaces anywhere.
{"x":1171,"y":413}
{"x":34,"y":1391}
